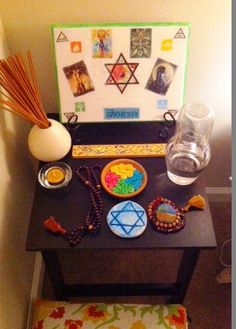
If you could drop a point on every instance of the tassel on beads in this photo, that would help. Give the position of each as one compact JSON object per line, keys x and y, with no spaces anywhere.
{"x":52,"y":225}
{"x":196,"y":201}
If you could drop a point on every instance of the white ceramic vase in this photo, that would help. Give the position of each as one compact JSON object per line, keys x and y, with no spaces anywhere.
{"x":49,"y":144}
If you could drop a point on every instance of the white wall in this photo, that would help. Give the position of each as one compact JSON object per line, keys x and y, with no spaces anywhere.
{"x":16,"y":191}
{"x":27,"y":25}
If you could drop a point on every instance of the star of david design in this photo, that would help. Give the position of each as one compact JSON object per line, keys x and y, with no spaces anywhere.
{"x":119,"y":218}
{"x":121,"y":73}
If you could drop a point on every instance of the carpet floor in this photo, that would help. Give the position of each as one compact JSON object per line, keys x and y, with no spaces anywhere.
{"x":208,"y":301}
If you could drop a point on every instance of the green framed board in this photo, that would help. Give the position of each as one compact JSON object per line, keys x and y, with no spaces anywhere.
{"x":120,"y":72}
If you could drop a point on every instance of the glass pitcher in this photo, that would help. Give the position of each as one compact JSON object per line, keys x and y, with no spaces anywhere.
{"x":188,"y":151}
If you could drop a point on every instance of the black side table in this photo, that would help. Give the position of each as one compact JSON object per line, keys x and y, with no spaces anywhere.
{"x":197,"y":235}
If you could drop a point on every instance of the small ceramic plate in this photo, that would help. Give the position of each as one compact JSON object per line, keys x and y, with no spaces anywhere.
{"x":127,"y":219}
{"x":124,"y":178}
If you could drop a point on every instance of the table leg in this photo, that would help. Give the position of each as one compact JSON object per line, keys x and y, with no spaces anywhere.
{"x":54,"y":271}
{"x":185,"y":272}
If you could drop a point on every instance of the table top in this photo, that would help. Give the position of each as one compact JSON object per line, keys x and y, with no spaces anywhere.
{"x":70,"y":209}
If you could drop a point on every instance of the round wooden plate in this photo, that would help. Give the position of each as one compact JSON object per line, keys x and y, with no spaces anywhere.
{"x":136,"y":165}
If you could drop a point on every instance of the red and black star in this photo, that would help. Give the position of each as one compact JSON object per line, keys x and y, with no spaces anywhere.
{"x":121,"y":73}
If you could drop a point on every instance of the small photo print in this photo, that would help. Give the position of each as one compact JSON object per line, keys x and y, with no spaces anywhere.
{"x":78,"y":78}
{"x":161,"y":76}
{"x":101,"y":43}
{"x":140,"y":43}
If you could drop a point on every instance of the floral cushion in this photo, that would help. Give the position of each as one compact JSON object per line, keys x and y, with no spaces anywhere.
{"x":48,"y":314}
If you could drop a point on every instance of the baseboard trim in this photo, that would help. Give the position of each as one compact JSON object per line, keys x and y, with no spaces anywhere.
{"x":219,"y":194}
{"x":37,"y":285}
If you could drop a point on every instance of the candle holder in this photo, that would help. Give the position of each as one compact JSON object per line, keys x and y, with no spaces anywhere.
{"x":55,"y":176}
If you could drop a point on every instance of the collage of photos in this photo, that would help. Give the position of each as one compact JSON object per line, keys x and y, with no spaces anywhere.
{"x":121,"y":72}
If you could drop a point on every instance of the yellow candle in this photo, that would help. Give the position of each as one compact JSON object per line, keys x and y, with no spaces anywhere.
{"x":55,"y":175}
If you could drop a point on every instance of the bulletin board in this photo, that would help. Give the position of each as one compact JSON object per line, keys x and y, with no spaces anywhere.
{"x":120,"y":72}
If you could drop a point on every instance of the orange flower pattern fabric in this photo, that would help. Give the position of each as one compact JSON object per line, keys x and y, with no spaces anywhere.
{"x":65,"y":315}
{"x":95,"y":313}
{"x":57,"y":313}
{"x":177,"y":320}
{"x":73,"y":324}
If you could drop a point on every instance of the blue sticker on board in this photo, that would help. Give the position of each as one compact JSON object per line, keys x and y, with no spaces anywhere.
{"x":162,"y":104}
{"x":121,"y":113}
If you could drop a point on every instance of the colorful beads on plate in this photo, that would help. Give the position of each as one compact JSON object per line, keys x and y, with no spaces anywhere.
{"x":123,"y":178}
{"x":123,"y":170}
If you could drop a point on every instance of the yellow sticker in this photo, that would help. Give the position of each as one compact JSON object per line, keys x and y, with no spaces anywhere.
{"x":166,"y":44}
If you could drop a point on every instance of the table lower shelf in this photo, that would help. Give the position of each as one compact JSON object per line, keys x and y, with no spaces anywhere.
{"x":119,"y":289}
{"x":176,"y":290}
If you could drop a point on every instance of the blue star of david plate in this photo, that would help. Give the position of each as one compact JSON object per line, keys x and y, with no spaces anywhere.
{"x":127,"y":219}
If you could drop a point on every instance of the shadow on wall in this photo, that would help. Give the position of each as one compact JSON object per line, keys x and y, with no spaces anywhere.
{"x":218,"y":171}
{"x":17,"y":190}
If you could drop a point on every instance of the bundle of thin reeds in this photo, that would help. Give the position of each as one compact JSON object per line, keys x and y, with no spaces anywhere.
{"x":21,"y":95}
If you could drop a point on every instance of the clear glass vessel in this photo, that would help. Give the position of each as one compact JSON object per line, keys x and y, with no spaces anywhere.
{"x":188,"y":151}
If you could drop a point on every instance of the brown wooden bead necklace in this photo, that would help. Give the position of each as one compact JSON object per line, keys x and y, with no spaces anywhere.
{"x":169,"y":219}
{"x":166,"y":217}
{"x":93,"y":218}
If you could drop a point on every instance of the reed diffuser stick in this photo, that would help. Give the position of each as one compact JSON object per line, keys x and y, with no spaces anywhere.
{"x":22,"y":95}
